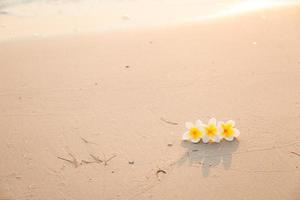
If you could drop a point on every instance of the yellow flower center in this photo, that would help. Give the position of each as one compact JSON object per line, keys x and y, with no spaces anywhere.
{"x":211,"y":130}
{"x":227,"y":130}
{"x":195,"y":133}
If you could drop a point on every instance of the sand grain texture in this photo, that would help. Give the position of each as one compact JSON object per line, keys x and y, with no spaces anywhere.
{"x":72,"y":97}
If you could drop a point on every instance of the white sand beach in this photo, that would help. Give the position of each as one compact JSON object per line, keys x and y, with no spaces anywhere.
{"x":92,"y":112}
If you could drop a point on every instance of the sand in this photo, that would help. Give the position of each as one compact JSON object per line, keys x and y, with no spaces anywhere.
{"x":103,"y":101}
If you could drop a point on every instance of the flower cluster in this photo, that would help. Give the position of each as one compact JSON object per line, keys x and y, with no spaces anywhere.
{"x":212,"y":132}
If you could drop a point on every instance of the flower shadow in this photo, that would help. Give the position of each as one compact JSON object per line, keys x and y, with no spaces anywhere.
{"x":208,"y":155}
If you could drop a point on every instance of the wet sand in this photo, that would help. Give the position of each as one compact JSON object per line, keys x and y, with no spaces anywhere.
{"x":85,"y":116}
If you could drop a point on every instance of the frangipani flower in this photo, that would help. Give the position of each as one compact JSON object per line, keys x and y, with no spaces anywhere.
{"x":211,"y":132}
{"x":194,"y":133}
{"x":227,"y":130}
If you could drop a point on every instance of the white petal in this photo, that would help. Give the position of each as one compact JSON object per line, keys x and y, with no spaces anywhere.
{"x":220,"y":129}
{"x":231,"y":122}
{"x":189,"y":125}
{"x":205,"y":139}
{"x":220,"y":123}
{"x":217,"y":139}
{"x":195,"y":140}
{"x":236,"y":132}
{"x":199,"y":123}
{"x":201,"y":129}
{"x":229,"y":138}
{"x":221,"y":136}
{"x":186,"y":136}
{"x":212,"y":121}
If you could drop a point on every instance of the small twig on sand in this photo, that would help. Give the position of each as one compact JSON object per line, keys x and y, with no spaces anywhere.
{"x":98,"y":160}
{"x":86,"y":141}
{"x":160,"y":171}
{"x":70,"y":161}
{"x":74,"y":162}
{"x":131,"y":162}
{"x":109,"y":159}
{"x":168,"y":122}
{"x":87,"y":162}
{"x":297,"y":154}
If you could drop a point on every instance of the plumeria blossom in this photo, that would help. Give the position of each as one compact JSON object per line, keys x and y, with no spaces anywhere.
{"x":211,"y":132}
{"x":227,"y":130}
{"x":195,"y":131}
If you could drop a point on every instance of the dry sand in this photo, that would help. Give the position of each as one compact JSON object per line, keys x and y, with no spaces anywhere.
{"x":89,"y":97}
